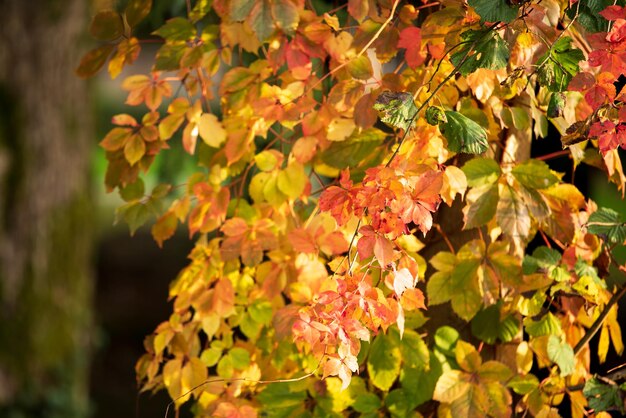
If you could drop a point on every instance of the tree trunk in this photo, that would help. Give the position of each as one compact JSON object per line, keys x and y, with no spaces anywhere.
{"x":46,"y":212}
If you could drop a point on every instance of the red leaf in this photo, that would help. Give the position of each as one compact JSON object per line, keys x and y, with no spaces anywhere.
{"x":302,"y":241}
{"x":411,"y":40}
{"x":383,"y":251}
{"x":581,"y":82}
{"x":614,"y":13}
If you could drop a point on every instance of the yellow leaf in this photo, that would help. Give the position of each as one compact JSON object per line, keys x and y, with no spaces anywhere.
{"x":193,"y":374}
{"x":467,"y":356}
{"x":451,"y":386}
{"x":171,"y":378}
{"x":524,"y":358}
{"x":211,"y":130}
{"x":340,"y":129}
{"x":615,"y":331}
{"x":292,"y":180}
{"x":134,"y":149}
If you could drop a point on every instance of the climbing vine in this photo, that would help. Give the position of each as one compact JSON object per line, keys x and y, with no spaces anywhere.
{"x":371,"y":233}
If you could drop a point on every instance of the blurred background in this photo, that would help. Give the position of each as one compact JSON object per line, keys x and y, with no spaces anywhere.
{"x":77,"y":292}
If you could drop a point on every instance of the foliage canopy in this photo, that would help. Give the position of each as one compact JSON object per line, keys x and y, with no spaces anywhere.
{"x":332,"y":144}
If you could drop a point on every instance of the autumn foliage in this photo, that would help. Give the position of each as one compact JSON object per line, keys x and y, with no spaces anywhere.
{"x":337,"y":148}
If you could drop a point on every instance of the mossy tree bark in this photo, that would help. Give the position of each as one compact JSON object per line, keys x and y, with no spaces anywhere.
{"x":45,"y":211}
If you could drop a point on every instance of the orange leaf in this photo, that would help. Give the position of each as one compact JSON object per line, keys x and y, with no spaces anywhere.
{"x":164,"y":228}
{"x":223,"y":298}
{"x":411,"y":40}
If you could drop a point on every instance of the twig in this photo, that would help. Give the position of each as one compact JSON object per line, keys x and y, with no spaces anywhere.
{"x":439,"y":86}
{"x":595,"y":327}
{"x":242,"y":379}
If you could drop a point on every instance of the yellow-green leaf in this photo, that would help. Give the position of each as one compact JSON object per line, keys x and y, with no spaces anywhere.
{"x":292,"y":180}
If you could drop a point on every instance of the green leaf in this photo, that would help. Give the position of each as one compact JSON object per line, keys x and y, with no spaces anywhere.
{"x":465,"y":289}
{"x":494,"y":10}
{"x":135,"y":214}
{"x":488,"y":327}
{"x":446,"y":338}
{"x":133,"y":191}
{"x":282,"y":400}
{"x":367,"y":403}
{"x":107,"y":25}
{"x":353,"y":151}
{"x":480,"y":49}
{"x":286,"y":16}
{"x":435,"y":115}
{"x":562,"y":354}
{"x":602,"y":397}
{"x":547,"y":325}
{"x":397,"y":403}
{"x":240,"y":358}
{"x":420,"y":384}
{"x":463,"y":134}
{"x":176,"y":29}
{"x":608,"y":224}
{"x":556,"y":105}
{"x":240,"y":9}
{"x":136,"y":11}
{"x":168,"y":57}
{"x":534,"y":174}
{"x":260,"y":20}
{"x":397,"y":110}
{"x":481,"y":171}
{"x":523,"y":384}
{"x":261,"y":311}
{"x":483,"y":209}
{"x":543,"y":258}
{"x":588,"y":13}
{"x":414,"y":350}
{"x":383,"y":362}
{"x":559,"y":65}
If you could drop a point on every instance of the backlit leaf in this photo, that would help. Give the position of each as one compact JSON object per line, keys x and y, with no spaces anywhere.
{"x":481,"y":49}
{"x":383,"y":362}
{"x":463,"y":134}
{"x":211,"y":130}
{"x":481,"y":171}
{"x":562,"y":354}
{"x":534,"y":174}
{"x":512,"y":214}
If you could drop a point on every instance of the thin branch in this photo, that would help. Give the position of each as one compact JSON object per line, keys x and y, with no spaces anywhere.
{"x":595,"y":327}
{"x":365,"y":48}
{"x":242,"y":379}
{"x":434,"y":92}
{"x":553,"y":155}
